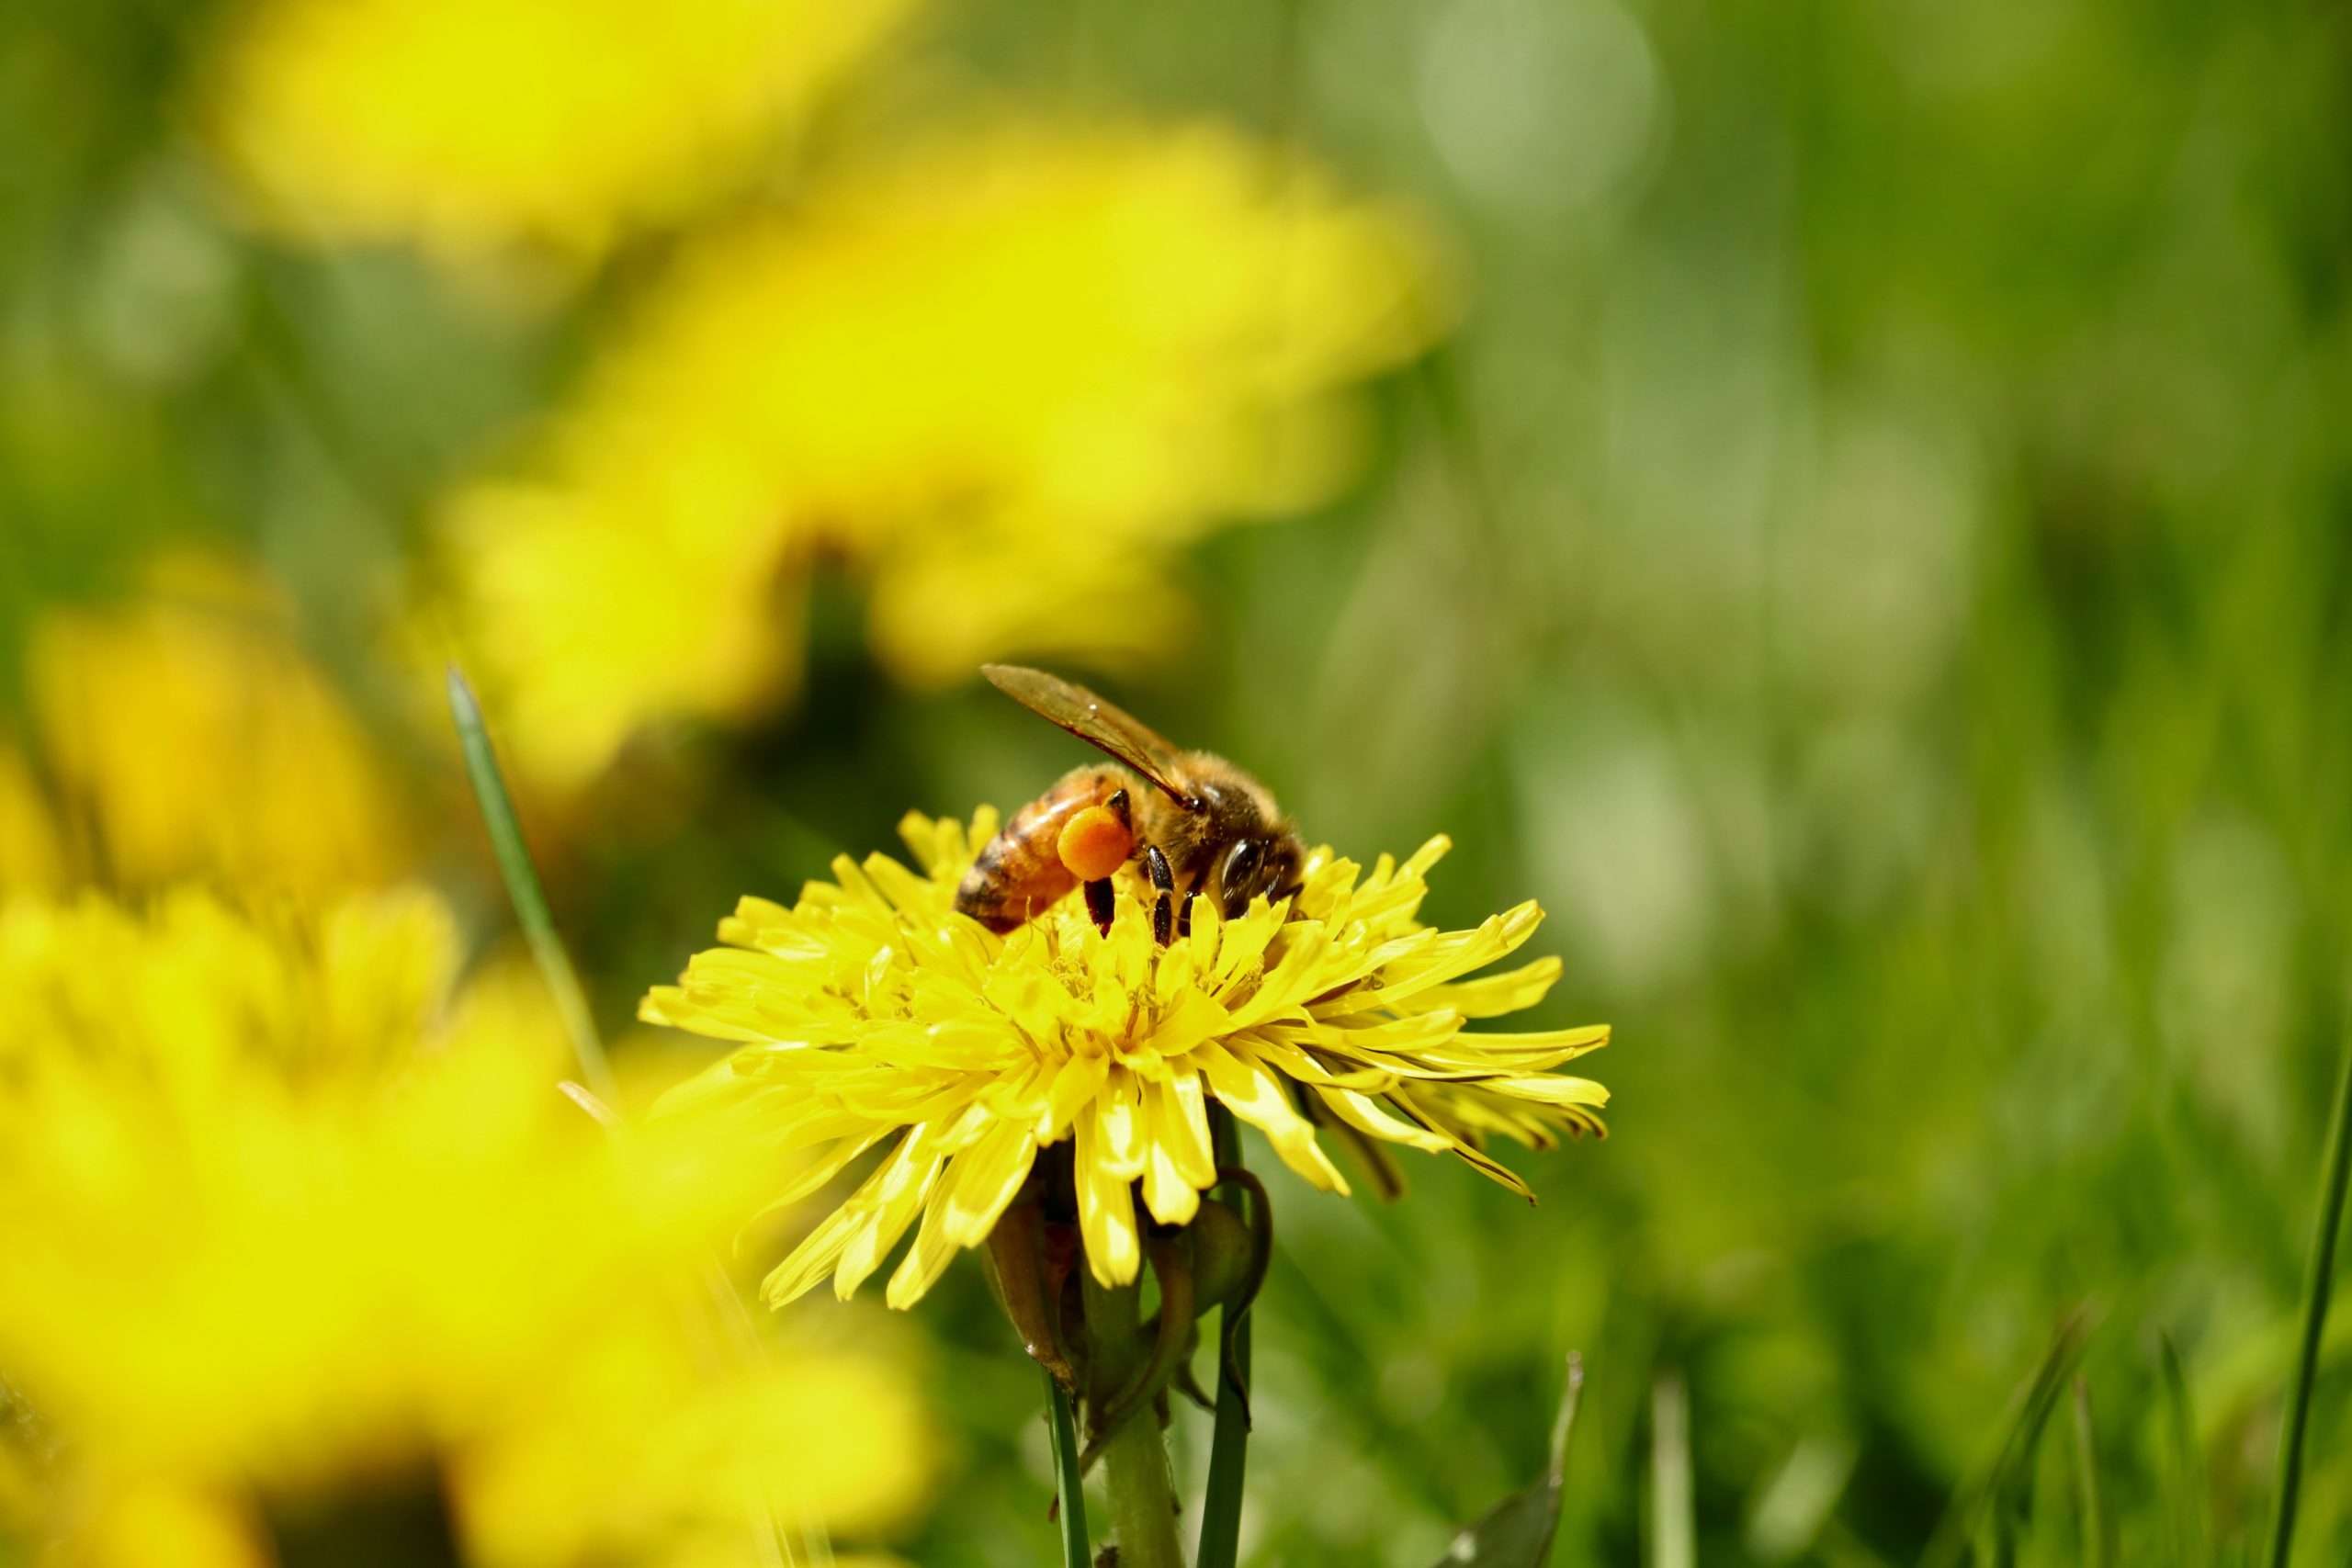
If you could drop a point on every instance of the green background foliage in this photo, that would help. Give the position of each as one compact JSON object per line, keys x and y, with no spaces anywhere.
{"x":1873,"y":562}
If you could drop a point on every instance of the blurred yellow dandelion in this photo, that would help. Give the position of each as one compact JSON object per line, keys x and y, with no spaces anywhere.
{"x":288,"y":1212}
{"x":141,"y":1524}
{"x":32,"y":856}
{"x":471,"y":125}
{"x":998,"y":376}
{"x":634,"y":1456}
{"x":262,"y":1136}
{"x":187,"y":735}
{"x":593,"y":613}
{"x":871,"y":1013}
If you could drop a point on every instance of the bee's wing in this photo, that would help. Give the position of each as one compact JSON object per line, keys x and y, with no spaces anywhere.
{"x":1096,"y":722}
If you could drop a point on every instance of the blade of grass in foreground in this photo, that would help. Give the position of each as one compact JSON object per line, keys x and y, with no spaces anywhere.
{"x":2326,"y":1226}
{"x":1069,"y":1486}
{"x":529,"y":898}
{"x":1229,"y":1447}
{"x":522,"y":878}
{"x":2029,"y":1412}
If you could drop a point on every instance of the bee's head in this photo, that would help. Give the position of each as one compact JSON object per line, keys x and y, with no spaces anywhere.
{"x":1266,"y":864}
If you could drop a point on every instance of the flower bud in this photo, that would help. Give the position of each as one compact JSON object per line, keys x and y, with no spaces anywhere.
{"x":1221,"y":1251}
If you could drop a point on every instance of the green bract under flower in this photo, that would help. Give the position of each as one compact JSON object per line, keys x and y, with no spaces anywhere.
{"x":872,"y":1011}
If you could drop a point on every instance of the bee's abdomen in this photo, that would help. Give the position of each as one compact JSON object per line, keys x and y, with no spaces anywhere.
{"x":1019,"y":873}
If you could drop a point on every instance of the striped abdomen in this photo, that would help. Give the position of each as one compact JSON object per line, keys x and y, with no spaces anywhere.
{"x":1019,"y":873}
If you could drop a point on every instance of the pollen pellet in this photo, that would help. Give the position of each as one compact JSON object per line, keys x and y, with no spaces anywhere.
{"x":1094,"y":843}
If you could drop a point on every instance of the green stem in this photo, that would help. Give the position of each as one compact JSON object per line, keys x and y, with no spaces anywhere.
{"x":1070,"y":1485}
{"x":2325,"y":1227}
{"x":523,"y":887}
{"x":1228,"y":1461}
{"x":1229,"y":1448}
{"x":1134,"y":1461}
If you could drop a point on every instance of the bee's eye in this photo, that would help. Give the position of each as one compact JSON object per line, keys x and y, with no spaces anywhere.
{"x":1236,"y":876}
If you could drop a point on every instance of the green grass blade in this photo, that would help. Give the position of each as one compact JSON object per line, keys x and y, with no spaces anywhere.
{"x":596,"y":1095}
{"x":2326,"y":1226}
{"x":522,"y":878}
{"x":2090,"y":1493}
{"x":1564,"y":1425}
{"x":1518,"y":1532}
{"x":1229,"y":1445}
{"x":1673,"y":1528}
{"x":1973,"y":1505}
{"x":1070,"y":1487}
{"x":2190,"y":1547}
{"x":1792,"y":1514}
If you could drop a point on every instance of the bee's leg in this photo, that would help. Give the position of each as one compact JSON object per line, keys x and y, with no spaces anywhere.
{"x":1184,"y":910}
{"x":1100,"y":905}
{"x":1163,"y":907}
{"x":1120,"y":807}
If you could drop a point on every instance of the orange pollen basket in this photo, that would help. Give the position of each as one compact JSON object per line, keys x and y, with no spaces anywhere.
{"x":1094,"y":843}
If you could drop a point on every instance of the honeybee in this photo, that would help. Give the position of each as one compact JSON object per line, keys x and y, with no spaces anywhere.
{"x":1186,"y":824}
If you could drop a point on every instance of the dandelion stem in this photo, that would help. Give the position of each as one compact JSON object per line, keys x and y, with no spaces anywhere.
{"x":2326,"y":1226}
{"x":1135,"y":1459}
{"x":522,"y":888}
{"x":1229,"y":1448}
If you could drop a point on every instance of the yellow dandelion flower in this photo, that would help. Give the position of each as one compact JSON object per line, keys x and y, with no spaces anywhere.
{"x":873,"y":1014}
{"x":291,"y":1215}
{"x":595,"y":614}
{"x":136,"y":1525}
{"x":478,"y":125}
{"x":634,"y":1456}
{"x":31,"y":855}
{"x":260,"y":1130}
{"x":188,"y":736}
{"x":998,"y":377}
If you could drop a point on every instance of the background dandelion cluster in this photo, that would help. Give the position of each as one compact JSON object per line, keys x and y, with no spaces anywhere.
{"x":1843,"y":504}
